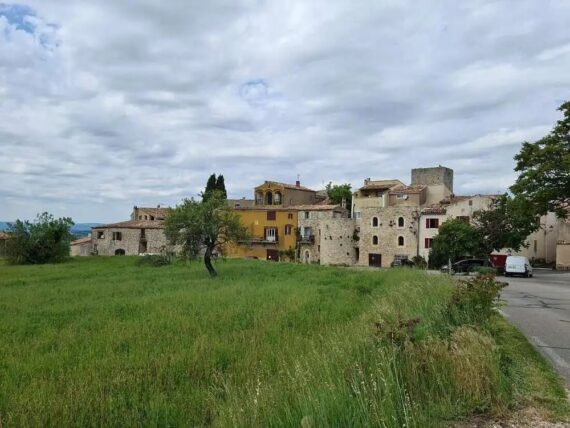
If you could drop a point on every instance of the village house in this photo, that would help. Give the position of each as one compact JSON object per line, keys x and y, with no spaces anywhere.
{"x":143,"y":234}
{"x":81,"y":247}
{"x":563,"y":245}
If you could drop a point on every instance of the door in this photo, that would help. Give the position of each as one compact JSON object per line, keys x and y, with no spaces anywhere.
{"x":273,"y":255}
{"x":375,"y":260}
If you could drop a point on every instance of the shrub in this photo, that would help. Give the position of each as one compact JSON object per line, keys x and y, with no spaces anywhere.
{"x":420,"y":262}
{"x":45,"y":240}
{"x":474,"y":300}
{"x":485,"y":270}
{"x":154,"y":260}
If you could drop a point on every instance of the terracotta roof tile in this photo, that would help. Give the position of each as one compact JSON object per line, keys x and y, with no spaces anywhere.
{"x":133,"y":224}
{"x":287,"y":186}
{"x":408,"y":189}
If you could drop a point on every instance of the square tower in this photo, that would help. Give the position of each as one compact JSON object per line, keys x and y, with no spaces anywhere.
{"x":438,"y":179}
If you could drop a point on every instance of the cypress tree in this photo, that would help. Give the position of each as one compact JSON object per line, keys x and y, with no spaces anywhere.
{"x":221,"y":186}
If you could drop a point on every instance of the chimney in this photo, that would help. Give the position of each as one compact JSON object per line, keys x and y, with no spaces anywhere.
{"x":298,"y":182}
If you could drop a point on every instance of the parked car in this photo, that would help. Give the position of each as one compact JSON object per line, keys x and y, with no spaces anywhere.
{"x":518,"y":265}
{"x":465,"y":266}
{"x":402,"y":263}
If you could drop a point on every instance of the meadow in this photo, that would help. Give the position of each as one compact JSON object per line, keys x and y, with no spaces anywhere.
{"x":104,"y":342}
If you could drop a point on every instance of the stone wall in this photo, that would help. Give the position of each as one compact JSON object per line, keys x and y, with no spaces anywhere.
{"x":81,"y":249}
{"x":439,"y":181}
{"x":337,"y":246}
{"x":563,"y":256}
{"x":130,"y":241}
{"x":388,"y":233}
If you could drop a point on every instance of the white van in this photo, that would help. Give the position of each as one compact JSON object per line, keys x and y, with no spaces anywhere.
{"x":518,"y":265}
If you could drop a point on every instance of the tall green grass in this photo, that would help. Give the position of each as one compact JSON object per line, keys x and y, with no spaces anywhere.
{"x":102,"y":341}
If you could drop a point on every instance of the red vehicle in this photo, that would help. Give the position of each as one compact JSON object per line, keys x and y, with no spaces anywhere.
{"x":498,"y":261}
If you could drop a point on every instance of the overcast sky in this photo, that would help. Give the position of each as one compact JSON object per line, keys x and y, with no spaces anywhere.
{"x":106,"y":104}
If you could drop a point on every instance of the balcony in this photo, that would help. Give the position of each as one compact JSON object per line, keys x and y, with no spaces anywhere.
{"x":306,"y":239}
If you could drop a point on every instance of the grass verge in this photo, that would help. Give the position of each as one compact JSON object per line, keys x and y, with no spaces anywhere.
{"x":102,"y":341}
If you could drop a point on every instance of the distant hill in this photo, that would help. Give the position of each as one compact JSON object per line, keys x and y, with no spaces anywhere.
{"x":79,"y":229}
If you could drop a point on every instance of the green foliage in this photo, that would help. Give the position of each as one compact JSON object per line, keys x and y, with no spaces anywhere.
{"x":420,"y":262}
{"x":338,"y":192}
{"x":208,"y":225}
{"x":485,"y":270}
{"x":473,"y":301}
{"x":288,"y":254}
{"x":154,"y":260}
{"x":102,"y":342}
{"x":45,"y":240}
{"x":544,"y":169}
{"x":221,"y":186}
{"x":506,"y":224}
{"x":455,"y":239}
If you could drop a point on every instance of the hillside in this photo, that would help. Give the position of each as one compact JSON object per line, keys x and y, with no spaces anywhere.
{"x":102,"y":341}
{"x":79,"y":229}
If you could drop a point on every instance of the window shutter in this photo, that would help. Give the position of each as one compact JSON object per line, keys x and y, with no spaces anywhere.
{"x":427,"y":223}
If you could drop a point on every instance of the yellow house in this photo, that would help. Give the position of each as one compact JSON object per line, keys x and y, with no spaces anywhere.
{"x":272,"y":219}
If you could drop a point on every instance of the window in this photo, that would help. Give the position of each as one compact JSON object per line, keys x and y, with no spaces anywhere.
{"x":117,"y":236}
{"x":400,"y":221}
{"x":357,"y":215}
{"x":288,"y":229}
{"x":401,"y":241}
{"x":428,"y":243}
{"x":259,"y":198}
{"x":271,"y":215}
{"x":470,"y":202}
{"x":307,"y":232}
{"x":277,"y":198}
{"x":152,"y":218}
{"x":535,"y":245}
{"x":146,"y":217}
{"x":307,"y":215}
{"x":374,"y":221}
{"x":271,"y":234}
{"x":401,"y":196}
{"x":269,"y":198}
{"x":432,"y":223}
{"x":140,"y":217}
{"x":120,"y":252}
{"x":290,"y":216}
{"x":374,"y":240}
{"x":100,"y":234}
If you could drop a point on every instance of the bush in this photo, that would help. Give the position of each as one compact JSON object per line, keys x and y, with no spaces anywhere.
{"x":485,"y":270}
{"x":46,"y":240}
{"x":154,"y":260}
{"x":420,"y":262}
{"x":473,"y":301}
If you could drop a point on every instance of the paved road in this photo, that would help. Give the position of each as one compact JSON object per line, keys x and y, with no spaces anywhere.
{"x":540,"y":308}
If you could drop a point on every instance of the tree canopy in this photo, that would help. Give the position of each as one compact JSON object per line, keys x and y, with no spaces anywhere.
{"x":456,"y":238}
{"x":45,"y":240}
{"x":205,"y":226}
{"x":544,"y":170}
{"x":338,"y":192}
{"x":215,"y":184}
{"x":506,"y":224}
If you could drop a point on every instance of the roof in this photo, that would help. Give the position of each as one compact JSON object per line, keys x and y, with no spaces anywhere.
{"x":81,"y":241}
{"x":242,"y":202}
{"x":154,"y":211}
{"x":287,"y":186}
{"x":380,"y":184}
{"x":133,"y":224}
{"x":317,"y":207}
{"x":408,"y":189}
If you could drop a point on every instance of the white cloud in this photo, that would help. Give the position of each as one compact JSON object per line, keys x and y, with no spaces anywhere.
{"x":105,"y":105}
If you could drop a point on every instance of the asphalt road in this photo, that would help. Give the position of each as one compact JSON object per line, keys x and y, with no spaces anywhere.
{"x":540,"y":308}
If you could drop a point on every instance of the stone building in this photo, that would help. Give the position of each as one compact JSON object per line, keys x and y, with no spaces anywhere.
{"x":387,"y":214}
{"x":563,"y":245}
{"x":142,"y":234}
{"x":81,"y":247}
{"x":3,"y":243}
{"x":325,"y":235}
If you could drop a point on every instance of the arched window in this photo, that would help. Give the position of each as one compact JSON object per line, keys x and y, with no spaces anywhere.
{"x":120,"y":252}
{"x":307,"y":258}
{"x":374,"y":240}
{"x":269,"y":198}
{"x":258,"y":198}
{"x":277,"y":198}
{"x":374,"y":221}
{"x":400,"y":241}
{"x":400,"y":221}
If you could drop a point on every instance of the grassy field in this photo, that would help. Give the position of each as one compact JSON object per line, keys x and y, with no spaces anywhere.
{"x":101,"y":341}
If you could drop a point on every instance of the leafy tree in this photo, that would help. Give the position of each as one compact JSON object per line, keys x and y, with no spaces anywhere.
{"x":45,"y":240}
{"x":210,"y":187}
{"x":456,"y":238}
{"x":221,"y":186}
{"x":208,"y":226}
{"x":544,"y":167}
{"x":338,"y":192}
{"x":506,"y":224}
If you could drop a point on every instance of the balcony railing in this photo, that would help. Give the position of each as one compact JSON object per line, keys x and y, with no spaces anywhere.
{"x":306,"y":239}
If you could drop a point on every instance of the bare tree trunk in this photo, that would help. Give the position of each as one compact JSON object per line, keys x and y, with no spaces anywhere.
{"x":208,"y":261}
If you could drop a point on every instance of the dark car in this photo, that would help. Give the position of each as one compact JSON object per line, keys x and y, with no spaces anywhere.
{"x":402,"y":263}
{"x":467,"y":265}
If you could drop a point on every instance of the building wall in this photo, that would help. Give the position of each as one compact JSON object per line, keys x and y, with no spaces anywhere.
{"x":289,"y":196}
{"x":428,"y":233}
{"x":439,"y":181}
{"x":130,"y":241}
{"x":388,"y":235}
{"x":256,"y":221}
{"x":542,"y":244}
{"x":337,"y":243}
{"x":563,"y":256}
{"x":83,"y":249}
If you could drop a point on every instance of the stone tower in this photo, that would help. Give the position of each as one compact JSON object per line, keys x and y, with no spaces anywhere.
{"x":439,"y":182}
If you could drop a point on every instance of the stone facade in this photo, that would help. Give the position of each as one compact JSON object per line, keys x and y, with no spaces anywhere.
{"x":81,"y":247}
{"x":563,"y":245}
{"x":128,"y":238}
{"x":439,"y":181}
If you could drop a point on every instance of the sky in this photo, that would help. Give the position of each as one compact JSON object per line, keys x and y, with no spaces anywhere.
{"x":109,"y":104}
